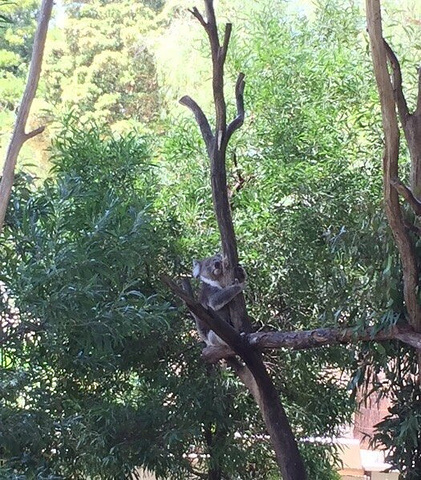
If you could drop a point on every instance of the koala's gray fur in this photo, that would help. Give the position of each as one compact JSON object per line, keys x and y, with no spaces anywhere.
{"x":215,"y":292}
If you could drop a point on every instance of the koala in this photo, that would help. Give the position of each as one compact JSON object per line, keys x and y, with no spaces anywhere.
{"x":215,"y":293}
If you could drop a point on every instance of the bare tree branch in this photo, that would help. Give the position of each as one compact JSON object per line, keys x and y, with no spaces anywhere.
{"x":201,"y":120}
{"x":212,"y":29}
{"x":410,"y":338}
{"x":239,"y":119}
{"x":224,"y":49}
{"x":320,"y":337}
{"x":407,"y":195}
{"x":34,"y":133}
{"x":306,"y":340}
{"x":217,"y":154}
{"x":397,"y":84}
{"x":19,"y":137}
{"x":195,"y":12}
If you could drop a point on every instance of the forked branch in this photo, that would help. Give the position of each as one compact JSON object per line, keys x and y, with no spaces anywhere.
{"x":390,"y":164}
{"x":216,"y":145}
{"x":195,"y":12}
{"x":253,"y":373}
{"x":407,"y":194}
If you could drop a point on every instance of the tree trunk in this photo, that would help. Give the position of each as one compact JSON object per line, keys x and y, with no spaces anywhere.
{"x":258,"y":379}
{"x":391,"y":97}
{"x":19,"y":137}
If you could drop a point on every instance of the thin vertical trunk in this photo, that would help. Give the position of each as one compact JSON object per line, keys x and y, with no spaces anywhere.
{"x":19,"y":136}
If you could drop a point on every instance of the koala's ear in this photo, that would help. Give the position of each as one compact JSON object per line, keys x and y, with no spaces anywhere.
{"x":196,"y":269}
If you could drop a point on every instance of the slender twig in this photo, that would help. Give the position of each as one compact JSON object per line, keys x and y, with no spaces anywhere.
{"x":35,"y":132}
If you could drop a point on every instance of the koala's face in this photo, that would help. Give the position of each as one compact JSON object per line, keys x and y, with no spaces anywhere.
{"x":212,"y":268}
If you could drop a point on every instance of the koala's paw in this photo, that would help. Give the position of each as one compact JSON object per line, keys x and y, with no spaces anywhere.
{"x":240,"y":274}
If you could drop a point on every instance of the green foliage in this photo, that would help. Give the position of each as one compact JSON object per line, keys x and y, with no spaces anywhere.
{"x":4,"y":19}
{"x":99,"y":374}
{"x":154,"y":4}
{"x":79,"y":262}
{"x":308,"y":217}
{"x":18,"y":36}
{"x":16,"y":39}
{"x":399,"y":432}
{"x":100,"y":64}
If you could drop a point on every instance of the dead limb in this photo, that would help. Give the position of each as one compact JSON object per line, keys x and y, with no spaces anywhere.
{"x":253,"y":372}
{"x":216,"y":144}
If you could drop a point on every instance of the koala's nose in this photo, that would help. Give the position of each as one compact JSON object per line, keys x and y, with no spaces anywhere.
{"x":217,"y":265}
